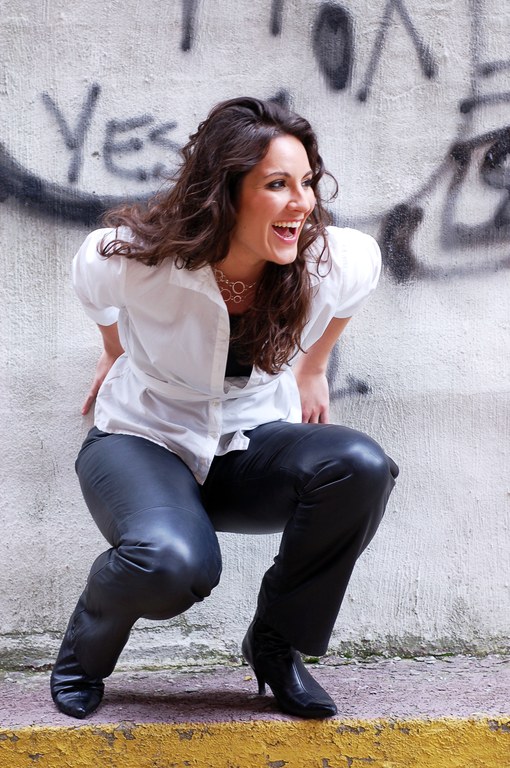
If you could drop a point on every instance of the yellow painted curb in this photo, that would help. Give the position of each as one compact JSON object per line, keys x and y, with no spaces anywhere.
{"x":442,"y":743}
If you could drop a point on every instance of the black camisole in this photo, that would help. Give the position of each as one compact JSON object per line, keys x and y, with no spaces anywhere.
{"x":234,"y":367}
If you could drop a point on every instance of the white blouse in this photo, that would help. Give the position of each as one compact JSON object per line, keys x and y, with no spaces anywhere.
{"x":169,"y":386}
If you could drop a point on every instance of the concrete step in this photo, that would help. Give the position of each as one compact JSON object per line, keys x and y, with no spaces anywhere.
{"x":452,"y":712}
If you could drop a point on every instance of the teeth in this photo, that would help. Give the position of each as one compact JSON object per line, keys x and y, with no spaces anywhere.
{"x":290,"y":224}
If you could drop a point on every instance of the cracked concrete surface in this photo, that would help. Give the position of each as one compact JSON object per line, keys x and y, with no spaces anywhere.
{"x":426,"y":687}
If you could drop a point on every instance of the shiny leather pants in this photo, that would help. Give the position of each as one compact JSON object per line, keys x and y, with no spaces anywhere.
{"x":325,"y":486}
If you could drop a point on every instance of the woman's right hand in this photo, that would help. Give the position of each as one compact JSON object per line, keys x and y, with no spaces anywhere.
{"x":112,"y":350}
{"x":103,"y":366}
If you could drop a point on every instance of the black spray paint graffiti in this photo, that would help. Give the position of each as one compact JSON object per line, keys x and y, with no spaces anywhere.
{"x":352,"y":386}
{"x":399,"y":224}
{"x":74,"y":139}
{"x":49,"y":199}
{"x":113,"y":146}
{"x":333,"y":50}
{"x":494,"y":171}
{"x":276,"y":17}
{"x":189,"y":10}
{"x":333,"y":47}
{"x":332,"y":44}
{"x":425,"y":57}
{"x":333,"y":40}
{"x":54,"y":200}
{"x":397,"y":230}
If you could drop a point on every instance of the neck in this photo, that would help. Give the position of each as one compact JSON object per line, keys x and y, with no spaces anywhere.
{"x":235,"y":267}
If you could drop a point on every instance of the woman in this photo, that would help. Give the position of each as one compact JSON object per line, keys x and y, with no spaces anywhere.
{"x":218,"y":305}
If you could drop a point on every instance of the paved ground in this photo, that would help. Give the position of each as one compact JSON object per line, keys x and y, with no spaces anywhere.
{"x":459,"y":686}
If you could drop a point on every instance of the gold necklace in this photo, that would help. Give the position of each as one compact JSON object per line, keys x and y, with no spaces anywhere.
{"x":232,"y":290}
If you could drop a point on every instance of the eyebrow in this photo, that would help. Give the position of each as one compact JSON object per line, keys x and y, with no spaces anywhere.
{"x":284,"y":173}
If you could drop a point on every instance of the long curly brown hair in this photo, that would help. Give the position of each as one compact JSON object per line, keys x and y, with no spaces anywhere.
{"x":192,"y":222}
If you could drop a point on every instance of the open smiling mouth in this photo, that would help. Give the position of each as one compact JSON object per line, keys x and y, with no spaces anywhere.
{"x":287,"y":230}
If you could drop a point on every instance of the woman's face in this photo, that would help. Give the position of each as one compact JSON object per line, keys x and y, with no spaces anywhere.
{"x":275,"y":200}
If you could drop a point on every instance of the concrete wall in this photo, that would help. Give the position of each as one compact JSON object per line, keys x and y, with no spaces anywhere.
{"x":411,"y":103}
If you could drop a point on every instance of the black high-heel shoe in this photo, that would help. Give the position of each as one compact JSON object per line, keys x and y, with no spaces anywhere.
{"x":276,"y":663}
{"x":73,"y":691}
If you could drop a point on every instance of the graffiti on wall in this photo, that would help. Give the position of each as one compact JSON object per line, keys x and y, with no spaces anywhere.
{"x":399,"y":224}
{"x":122,"y":138}
{"x":115,"y":144}
{"x":331,"y":39}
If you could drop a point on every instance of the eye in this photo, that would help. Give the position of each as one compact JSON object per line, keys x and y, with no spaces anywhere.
{"x":308,"y":182}
{"x":277,"y":184}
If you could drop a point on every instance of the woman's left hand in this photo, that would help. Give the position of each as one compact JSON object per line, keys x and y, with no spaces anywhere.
{"x":314,"y":392}
{"x":310,"y":372}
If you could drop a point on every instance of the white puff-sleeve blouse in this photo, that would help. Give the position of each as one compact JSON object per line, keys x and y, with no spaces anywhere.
{"x":169,"y":386}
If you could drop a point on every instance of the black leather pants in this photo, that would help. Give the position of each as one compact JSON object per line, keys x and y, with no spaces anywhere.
{"x":325,"y":486}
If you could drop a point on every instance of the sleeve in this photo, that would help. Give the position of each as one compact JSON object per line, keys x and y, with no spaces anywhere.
{"x":99,"y":282}
{"x":359,"y":259}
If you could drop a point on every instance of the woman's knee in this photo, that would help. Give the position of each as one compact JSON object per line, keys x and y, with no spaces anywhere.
{"x":196,"y":569}
{"x":168,"y":575}
{"x":368,"y":462}
{"x":342,"y":453}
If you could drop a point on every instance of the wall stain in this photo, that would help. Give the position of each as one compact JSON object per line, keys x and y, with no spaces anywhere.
{"x":351,"y":729}
{"x":186,"y":735}
{"x":496,"y":725}
{"x":108,"y":736}
{"x":9,"y":737}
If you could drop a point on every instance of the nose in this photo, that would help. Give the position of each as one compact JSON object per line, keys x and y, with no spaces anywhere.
{"x":300,"y":200}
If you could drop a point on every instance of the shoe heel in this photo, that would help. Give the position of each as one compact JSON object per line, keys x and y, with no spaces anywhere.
{"x":261,"y":683}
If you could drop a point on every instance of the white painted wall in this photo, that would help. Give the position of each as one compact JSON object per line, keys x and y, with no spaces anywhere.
{"x":432,"y":346}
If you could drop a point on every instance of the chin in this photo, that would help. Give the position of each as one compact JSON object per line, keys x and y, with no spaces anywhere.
{"x":287,"y":259}
{"x":283,"y":255}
